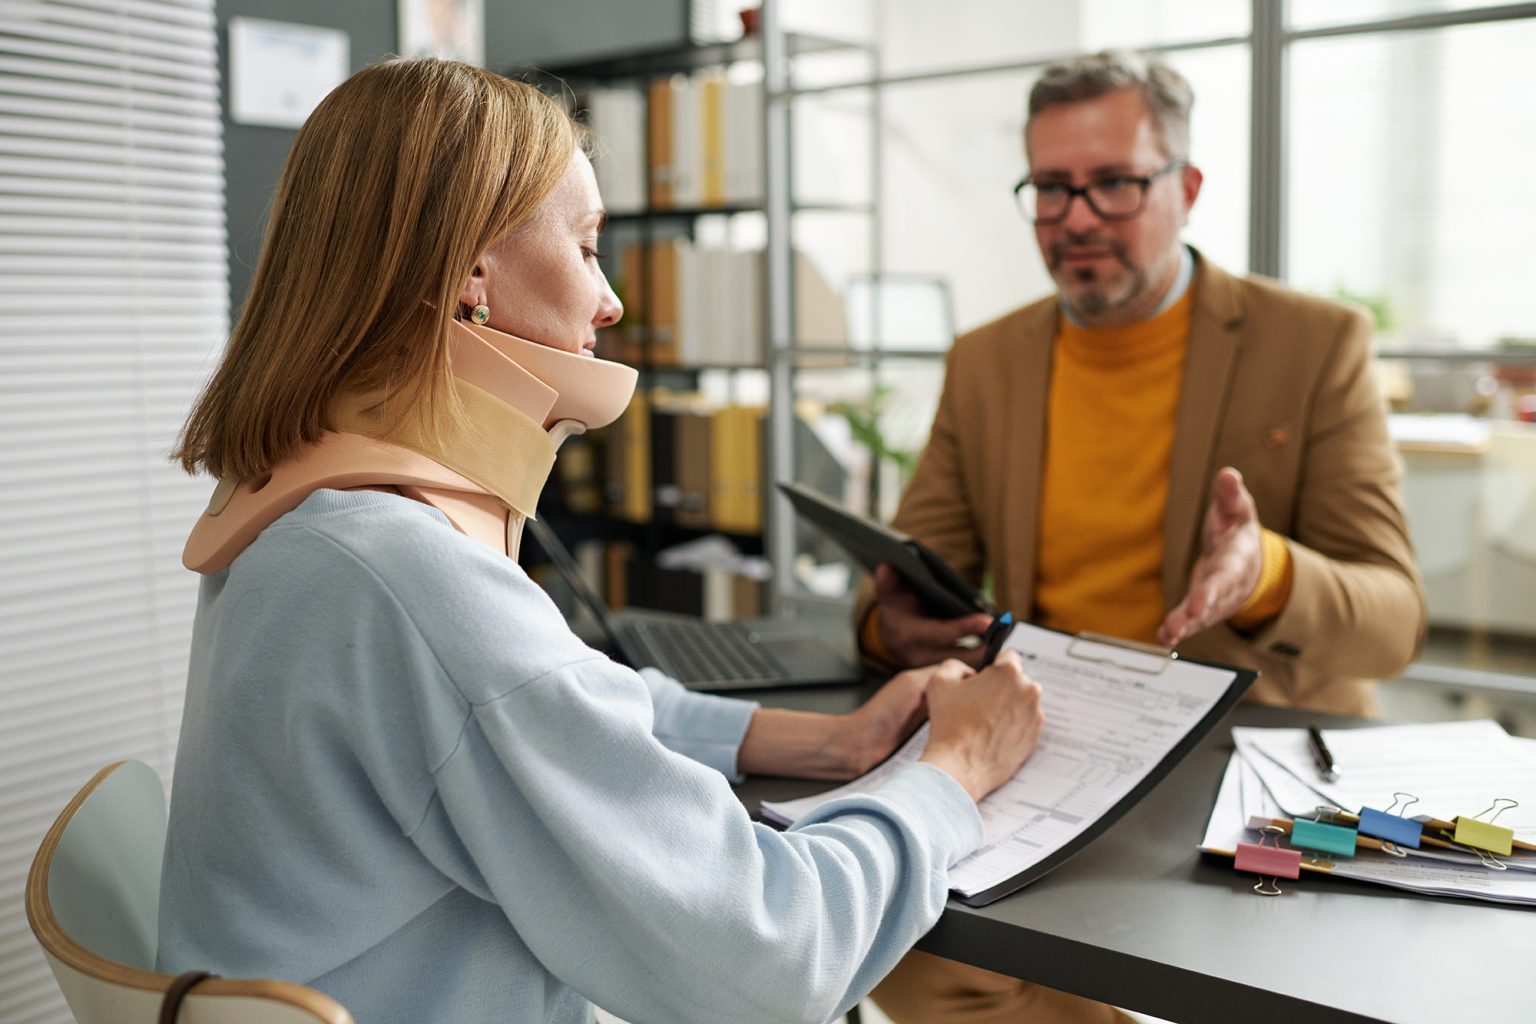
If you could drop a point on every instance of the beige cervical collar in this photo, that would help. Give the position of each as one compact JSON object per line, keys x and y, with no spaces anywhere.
{"x":522,"y":399}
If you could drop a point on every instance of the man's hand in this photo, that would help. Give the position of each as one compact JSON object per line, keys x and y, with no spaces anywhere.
{"x":983,"y":725}
{"x":911,"y":637}
{"x":1231,"y":556}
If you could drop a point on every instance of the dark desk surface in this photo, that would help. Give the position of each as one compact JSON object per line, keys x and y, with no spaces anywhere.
{"x":1142,"y":920}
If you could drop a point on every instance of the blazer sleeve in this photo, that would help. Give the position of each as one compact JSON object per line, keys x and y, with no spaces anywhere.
{"x":1357,"y":606}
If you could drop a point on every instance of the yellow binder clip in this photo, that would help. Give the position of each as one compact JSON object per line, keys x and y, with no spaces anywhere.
{"x":1484,"y":834}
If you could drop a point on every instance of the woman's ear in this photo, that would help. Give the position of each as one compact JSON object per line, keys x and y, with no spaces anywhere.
{"x":473,"y":292}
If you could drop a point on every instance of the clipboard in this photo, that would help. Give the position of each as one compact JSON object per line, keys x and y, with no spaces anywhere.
{"x":943,"y":591}
{"x":1186,"y":699}
{"x":1141,"y":658}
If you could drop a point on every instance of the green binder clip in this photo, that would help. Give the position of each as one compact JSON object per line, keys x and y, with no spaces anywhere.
{"x":1319,"y":835}
{"x":1484,"y":834}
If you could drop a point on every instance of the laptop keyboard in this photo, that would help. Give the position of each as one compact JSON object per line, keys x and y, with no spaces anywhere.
{"x":703,"y":652}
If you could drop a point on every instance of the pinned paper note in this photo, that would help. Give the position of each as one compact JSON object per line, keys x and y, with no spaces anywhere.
{"x":1317,"y":835}
{"x":1401,"y":831}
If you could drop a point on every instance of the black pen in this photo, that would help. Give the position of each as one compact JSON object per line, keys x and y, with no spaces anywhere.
{"x":997,"y":633}
{"x":1327,"y":767}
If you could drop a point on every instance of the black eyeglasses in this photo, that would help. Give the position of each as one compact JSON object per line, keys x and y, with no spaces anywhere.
{"x":1118,"y":197}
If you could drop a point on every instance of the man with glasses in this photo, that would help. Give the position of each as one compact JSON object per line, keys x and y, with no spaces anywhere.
{"x":1160,"y":451}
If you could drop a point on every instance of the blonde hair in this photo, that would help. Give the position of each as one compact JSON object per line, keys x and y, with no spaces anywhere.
{"x":395,"y":184}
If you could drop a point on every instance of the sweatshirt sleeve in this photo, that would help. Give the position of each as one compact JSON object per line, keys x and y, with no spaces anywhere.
{"x":636,"y":876}
{"x":703,"y":726}
{"x":631,"y":872}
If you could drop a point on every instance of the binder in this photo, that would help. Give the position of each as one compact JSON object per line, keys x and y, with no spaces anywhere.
{"x":943,"y":591}
{"x":658,"y":125}
{"x":1119,"y":717}
{"x":628,"y":462}
{"x":694,"y":468}
{"x":664,"y":264}
{"x":712,"y":139}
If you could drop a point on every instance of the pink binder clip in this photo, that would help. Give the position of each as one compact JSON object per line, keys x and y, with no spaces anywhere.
{"x":1274,"y":861}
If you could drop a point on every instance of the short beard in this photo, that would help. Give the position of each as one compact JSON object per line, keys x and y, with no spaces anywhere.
{"x":1101,"y":301}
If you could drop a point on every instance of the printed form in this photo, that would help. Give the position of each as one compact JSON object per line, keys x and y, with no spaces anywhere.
{"x":1112,"y":716}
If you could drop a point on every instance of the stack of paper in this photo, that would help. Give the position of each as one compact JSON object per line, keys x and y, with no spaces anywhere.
{"x":1452,"y":768}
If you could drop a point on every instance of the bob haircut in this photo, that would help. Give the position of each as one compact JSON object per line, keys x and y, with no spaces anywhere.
{"x":395,"y":185}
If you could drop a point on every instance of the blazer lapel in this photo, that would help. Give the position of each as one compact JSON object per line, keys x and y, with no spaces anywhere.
{"x":1018,"y":514}
{"x":1214,"y":340}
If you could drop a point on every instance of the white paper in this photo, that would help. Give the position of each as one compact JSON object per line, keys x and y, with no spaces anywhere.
{"x":1244,"y":795}
{"x":1454,"y":768}
{"x":279,"y":73}
{"x":1108,"y":723}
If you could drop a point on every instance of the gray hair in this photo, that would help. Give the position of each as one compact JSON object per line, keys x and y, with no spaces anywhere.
{"x":1165,"y":91}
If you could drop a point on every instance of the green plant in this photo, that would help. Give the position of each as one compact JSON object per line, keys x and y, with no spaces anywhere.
{"x":1379,"y":306}
{"x":864,"y":421}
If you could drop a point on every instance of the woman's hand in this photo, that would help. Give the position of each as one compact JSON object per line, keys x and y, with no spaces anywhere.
{"x":808,"y":745}
{"x":984,"y":725}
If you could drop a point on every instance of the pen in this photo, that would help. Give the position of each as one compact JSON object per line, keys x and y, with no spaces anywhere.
{"x":1327,"y":767}
{"x":996,"y":634}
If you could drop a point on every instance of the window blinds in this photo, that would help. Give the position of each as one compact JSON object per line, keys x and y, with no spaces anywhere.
{"x":113,"y":305}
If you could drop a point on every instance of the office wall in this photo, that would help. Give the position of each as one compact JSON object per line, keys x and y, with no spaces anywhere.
{"x":525,"y":32}
{"x":253,"y":155}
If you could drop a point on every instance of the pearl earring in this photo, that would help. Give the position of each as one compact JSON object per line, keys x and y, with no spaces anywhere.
{"x":480,"y":314}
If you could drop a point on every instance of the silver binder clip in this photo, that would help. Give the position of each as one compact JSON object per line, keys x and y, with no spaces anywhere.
{"x":1273,"y":888}
{"x":1159,"y":656}
{"x":1499,"y":806}
{"x":1489,"y":861}
{"x":1406,"y":799}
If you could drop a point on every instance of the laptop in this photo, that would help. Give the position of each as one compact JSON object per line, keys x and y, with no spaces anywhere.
{"x":743,"y":654}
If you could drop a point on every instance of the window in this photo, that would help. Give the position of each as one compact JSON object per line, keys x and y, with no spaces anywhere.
{"x":113,"y":299}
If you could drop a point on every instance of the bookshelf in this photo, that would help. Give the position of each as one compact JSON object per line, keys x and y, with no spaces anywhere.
{"x":721,"y":311}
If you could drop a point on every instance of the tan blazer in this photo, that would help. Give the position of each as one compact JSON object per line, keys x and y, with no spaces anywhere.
{"x":1277,"y":384}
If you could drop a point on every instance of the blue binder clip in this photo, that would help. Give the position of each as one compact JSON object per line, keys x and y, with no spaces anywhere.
{"x":1393,"y":828}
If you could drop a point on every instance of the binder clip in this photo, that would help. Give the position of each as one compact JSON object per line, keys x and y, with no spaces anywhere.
{"x":1485,"y":835}
{"x":1317,"y":834}
{"x":1393,"y":829}
{"x":1275,"y":861}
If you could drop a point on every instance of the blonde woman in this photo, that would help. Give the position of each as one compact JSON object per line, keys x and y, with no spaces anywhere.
{"x":401,"y":778}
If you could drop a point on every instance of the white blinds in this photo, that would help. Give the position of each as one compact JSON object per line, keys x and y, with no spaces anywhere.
{"x":113,"y":304}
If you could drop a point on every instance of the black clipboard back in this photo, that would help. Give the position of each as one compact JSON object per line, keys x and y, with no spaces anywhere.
{"x":943,"y":591}
{"x":1241,"y":681}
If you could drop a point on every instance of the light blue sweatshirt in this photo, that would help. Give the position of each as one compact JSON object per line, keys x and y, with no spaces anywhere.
{"x":403,"y":780}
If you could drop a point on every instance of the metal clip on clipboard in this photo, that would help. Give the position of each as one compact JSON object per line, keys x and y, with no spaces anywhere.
{"x":1162,"y":655}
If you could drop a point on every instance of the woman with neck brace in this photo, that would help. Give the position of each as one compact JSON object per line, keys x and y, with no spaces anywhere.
{"x":401,"y":779}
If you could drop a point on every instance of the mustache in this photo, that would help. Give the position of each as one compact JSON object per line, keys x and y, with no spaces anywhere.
{"x":1058,"y":249}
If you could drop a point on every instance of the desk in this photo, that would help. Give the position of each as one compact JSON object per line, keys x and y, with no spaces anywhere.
{"x":1142,"y":920}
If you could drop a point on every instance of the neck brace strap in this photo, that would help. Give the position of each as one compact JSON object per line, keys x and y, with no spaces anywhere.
{"x":237,"y":513}
{"x":485,"y":479}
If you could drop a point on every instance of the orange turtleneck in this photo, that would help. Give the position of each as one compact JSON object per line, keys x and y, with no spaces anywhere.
{"x":1109,"y":439}
{"x":1113,"y":398}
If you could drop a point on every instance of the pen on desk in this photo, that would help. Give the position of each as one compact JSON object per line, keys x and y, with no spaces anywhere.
{"x":1327,"y":767}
